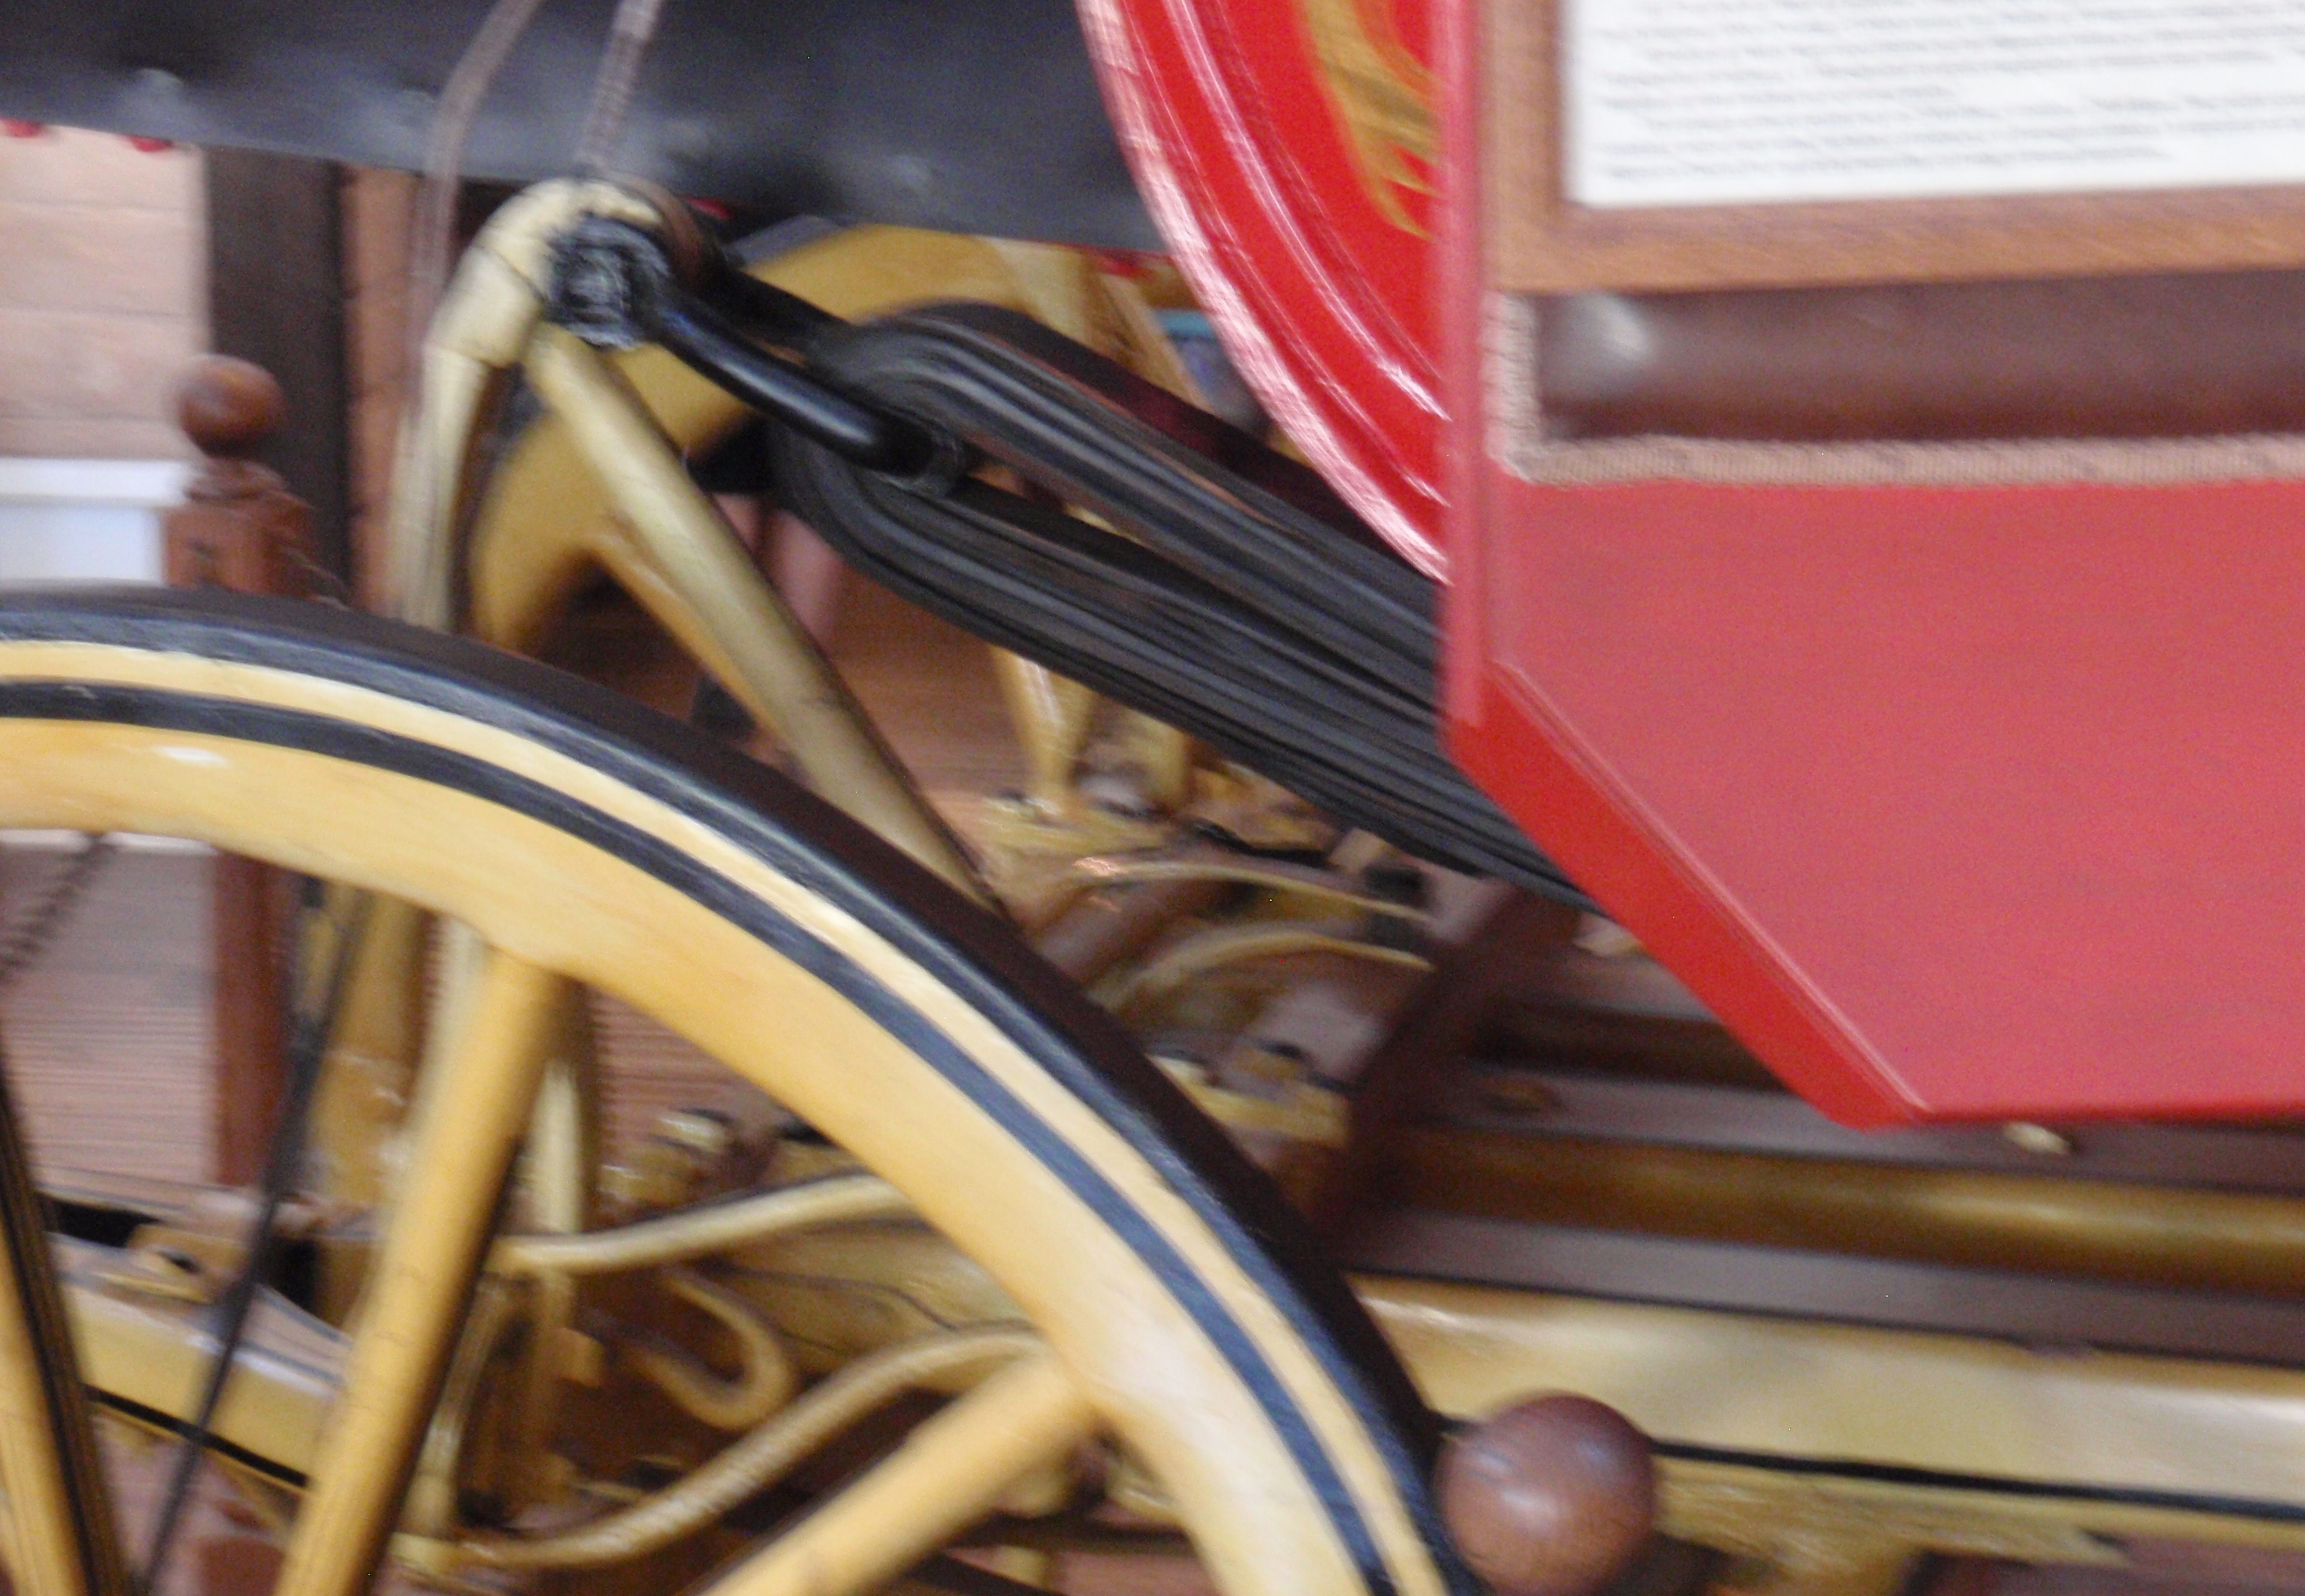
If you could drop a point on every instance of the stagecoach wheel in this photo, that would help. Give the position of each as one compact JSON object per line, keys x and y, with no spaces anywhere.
{"x":1173,"y":1303}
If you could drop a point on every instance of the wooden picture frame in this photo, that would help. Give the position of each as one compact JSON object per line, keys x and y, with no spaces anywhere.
{"x":1539,"y":242}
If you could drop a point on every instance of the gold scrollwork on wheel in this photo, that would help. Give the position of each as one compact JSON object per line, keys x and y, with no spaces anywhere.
{"x":1383,"y":95}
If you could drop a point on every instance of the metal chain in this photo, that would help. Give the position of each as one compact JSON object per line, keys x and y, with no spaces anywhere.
{"x":28,"y":941}
{"x":324,"y":586}
{"x":630,"y":33}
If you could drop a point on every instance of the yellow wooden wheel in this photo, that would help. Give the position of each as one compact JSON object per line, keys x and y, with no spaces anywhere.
{"x":1173,"y":1302}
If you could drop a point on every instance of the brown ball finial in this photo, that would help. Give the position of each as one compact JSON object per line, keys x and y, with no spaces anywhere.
{"x":1551,"y":1496}
{"x":228,"y":407}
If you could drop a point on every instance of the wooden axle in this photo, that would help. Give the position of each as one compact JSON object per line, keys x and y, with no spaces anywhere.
{"x":2111,"y":1230}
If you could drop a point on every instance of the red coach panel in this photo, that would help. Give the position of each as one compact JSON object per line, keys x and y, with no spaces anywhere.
{"x":1960,"y":780}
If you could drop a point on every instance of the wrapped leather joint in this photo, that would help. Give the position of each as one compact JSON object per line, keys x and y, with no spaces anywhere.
{"x":615,"y":286}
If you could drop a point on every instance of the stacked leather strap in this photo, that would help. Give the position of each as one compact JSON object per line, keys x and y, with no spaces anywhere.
{"x":1245,"y":604}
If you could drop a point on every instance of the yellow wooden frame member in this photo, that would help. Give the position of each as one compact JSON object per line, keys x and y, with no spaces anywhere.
{"x":547,"y":518}
{"x":1839,"y":1455}
{"x":1837,"y":1450}
{"x":664,"y":538}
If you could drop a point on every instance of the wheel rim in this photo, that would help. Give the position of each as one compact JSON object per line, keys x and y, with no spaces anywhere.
{"x":583,"y":835}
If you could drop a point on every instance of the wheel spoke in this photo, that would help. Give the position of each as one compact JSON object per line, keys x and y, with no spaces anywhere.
{"x":62,"y":1543}
{"x":948,"y":1473}
{"x":473,"y":1107}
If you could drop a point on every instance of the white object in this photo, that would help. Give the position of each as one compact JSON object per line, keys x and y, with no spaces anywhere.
{"x":67,"y":520}
{"x":1711,"y":102}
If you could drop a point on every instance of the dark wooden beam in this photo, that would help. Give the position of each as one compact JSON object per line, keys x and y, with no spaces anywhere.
{"x":276,"y":297}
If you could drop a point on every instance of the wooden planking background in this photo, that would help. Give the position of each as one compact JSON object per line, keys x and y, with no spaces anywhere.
{"x":103,"y":294}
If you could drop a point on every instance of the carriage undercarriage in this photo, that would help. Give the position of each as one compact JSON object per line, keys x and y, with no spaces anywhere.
{"x":1241,"y":1147}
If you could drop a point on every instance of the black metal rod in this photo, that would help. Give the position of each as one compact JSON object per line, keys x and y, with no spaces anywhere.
{"x":714,"y":346}
{"x":308,"y":1048}
{"x":778,"y":315}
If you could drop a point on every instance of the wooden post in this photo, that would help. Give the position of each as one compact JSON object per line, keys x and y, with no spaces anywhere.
{"x":240,"y":529}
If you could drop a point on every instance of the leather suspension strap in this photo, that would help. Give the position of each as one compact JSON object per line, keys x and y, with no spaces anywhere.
{"x":1246,"y":605}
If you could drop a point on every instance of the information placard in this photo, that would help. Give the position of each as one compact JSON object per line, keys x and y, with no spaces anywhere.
{"x":1842,"y":140}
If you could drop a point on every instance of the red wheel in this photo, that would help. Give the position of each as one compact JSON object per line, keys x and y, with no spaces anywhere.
{"x":1285,"y":148}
